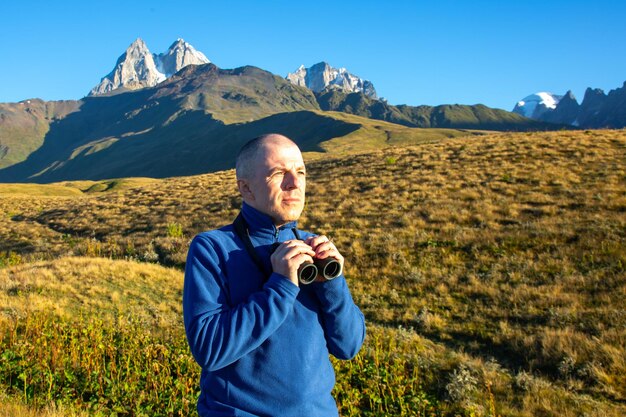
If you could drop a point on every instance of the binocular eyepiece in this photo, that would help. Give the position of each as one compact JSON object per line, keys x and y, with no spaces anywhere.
{"x":328,"y":268}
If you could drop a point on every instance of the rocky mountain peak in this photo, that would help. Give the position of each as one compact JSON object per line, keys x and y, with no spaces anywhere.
{"x":321,"y":76}
{"x":593,"y":97}
{"x":535,"y":105}
{"x":138,"y":67}
{"x":569,"y":96}
{"x":565,"y":112}
{"x":597,"y":110}
{"x":134,"y":69}
{"x":179,"y":55}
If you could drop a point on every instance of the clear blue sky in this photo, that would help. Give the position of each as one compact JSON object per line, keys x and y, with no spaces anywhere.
{"x":415,"y":52}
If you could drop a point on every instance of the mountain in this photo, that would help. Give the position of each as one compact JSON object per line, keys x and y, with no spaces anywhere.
{"x":565,"y":112}
{"x":600,"y":110}
{"x":193,"y":122}
{"x":536,"y":105}
{"x":444,"y":116}
{"x":138,"y":67}
{"x":178,"y":56}
{"x":196,"y":120}
{"x":169,"y":115}
{"x":597,"y":110}
{"x":322,"y":76}
{"x":24,"y":125}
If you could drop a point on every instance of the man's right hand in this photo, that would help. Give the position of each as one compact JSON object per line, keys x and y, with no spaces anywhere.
{"x":288,"y":257}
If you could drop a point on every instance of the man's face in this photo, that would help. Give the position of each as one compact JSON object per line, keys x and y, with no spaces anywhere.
{"x":278,"y":186}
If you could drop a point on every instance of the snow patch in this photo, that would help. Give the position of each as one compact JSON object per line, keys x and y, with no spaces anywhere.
{"x":535,"y":104}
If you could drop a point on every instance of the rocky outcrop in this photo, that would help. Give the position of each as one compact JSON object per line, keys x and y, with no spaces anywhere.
{"x":138,"y":67}
{"x":566,"y":111}
{"x":322,"y":76}
{"x":597,"y":110}
{"x":178,"y":56}
{"x":134,"y":69}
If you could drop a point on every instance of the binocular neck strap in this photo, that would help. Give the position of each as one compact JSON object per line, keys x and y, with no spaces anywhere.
{"x":241,"y":230}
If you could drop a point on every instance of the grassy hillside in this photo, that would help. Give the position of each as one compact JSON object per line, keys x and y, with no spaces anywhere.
{"x":455,"y":116}
{"x":490,"y":268}
{"x":114,"y":135}
{"x":107,"y":140}
{"x":24,"y":125}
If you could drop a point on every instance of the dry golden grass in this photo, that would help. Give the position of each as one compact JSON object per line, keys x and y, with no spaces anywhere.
{"x":498,"y":260}
{"x":72,"y":286}
{"x":376,"y":134}
{"x":10,"y":408}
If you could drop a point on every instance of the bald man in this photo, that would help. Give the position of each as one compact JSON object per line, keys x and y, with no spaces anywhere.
{"x":262,"y":337}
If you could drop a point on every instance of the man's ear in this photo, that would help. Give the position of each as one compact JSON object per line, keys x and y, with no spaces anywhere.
{"x":244,"y":190}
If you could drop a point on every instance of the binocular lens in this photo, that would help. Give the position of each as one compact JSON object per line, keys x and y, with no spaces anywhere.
{"x":307,"y":273}
{"x":330,"y":268}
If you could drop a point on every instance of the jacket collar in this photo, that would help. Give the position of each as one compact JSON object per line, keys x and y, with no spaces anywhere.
{"x":261,"y":226}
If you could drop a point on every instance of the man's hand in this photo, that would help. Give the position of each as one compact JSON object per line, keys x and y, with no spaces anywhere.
{"x":288,"y":257}
{"x":324,"y":248}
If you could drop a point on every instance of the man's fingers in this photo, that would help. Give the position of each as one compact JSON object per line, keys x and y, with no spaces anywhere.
{"x":293,"y":248}
{"x":315,"y":241}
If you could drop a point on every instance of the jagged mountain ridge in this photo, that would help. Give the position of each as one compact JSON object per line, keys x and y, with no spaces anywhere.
{"x":322,"y":76}
{"x":597,"y":110}
{"x":179,"y":55}
{"x":139,"y":68}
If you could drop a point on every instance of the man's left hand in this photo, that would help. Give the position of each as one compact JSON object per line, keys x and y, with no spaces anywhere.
{"x":324,"y":248}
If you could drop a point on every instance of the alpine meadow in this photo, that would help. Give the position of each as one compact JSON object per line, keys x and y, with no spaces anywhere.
{"x":491,"y":268}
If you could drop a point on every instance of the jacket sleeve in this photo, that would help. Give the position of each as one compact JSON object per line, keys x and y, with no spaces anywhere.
{"x":343,"y":322}
{"x":220,"y":334}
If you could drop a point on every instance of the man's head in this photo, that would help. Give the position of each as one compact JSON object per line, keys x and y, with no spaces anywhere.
{"x":272,"y":178}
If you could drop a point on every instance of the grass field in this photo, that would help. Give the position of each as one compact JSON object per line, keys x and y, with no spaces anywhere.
{"x":490,"y":268}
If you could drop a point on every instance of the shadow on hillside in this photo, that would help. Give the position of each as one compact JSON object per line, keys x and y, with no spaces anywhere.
{"x":139,"y":135}
{"x":478,"y":346}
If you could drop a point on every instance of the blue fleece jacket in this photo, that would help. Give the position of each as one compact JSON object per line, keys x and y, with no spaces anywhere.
{"x":262,"y":342}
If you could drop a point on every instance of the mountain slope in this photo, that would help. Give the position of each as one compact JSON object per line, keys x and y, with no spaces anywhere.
{"x":194,"y":143}
{"x":24,"y":125}
{"x":150,"y":115}
{"x":239,"y":95}
{"x":445,"y":116}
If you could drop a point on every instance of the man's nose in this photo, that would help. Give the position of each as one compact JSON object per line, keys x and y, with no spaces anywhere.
{"x":292,"y":181}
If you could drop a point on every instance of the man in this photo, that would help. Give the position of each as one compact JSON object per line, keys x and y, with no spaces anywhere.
{"x":262,"y":338}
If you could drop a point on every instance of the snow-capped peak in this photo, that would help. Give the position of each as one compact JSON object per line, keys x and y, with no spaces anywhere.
{"x":138,"y":68}
{"x":179,"y":55}
{"x":322,"y":75}
{"x":536,"y":104}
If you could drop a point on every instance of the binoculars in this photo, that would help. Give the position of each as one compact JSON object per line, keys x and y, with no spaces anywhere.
{"x":328,"y":268}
